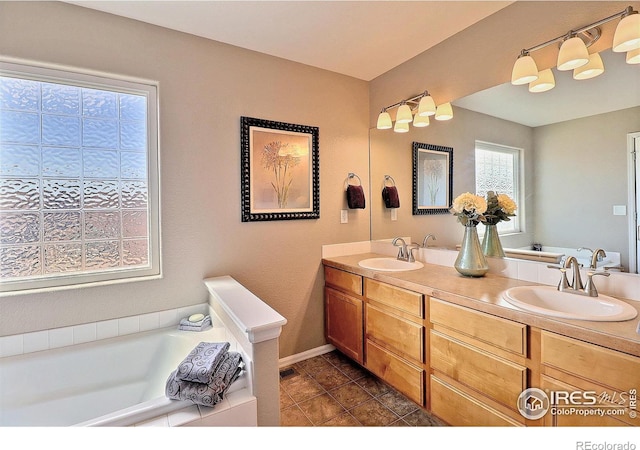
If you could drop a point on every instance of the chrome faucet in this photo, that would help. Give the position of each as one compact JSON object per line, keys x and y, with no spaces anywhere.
{"x":597,"y":256}
{"x":576,"y":286}
{"x":425,"y":244}
{"x":402,"y":251}
{"x":572,"y":263}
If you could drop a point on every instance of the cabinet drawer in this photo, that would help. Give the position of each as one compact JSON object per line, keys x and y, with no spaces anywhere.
{"x":608,"y":367}
{"x":399,"y":335}
{"x":495,"y":377}
{"x":403,"y":376}
{"x":395,"y":297}
{"x":499,"y":332}
{"x":350,"y":282}
{"x":460,"y":409}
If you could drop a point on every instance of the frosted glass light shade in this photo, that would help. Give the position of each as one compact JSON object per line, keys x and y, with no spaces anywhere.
{"x":426,"y":107}
{"x":384,"y":121}
{"x":545,"y":82}
{"x":524,"y":70}
{"x":404,"y":114}
{"x":421,"y":121}
{"x":401,"y":127}
{"x":633,"y":56}
{"x":627,"y":35}
{"x":592,"y":69}
{"x":444,"y":112}
{"x":573,"y":53}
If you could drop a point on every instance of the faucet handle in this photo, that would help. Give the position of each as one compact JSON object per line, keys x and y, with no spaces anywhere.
{"x":564,"y":282}
{"x":410,"y":248}
{"x":590,"y":287}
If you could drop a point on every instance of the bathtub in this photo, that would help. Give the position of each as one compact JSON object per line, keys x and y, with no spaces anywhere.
{"x":120,"y":381}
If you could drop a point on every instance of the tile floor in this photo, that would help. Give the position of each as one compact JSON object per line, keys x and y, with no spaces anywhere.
{"x":332,"y":390}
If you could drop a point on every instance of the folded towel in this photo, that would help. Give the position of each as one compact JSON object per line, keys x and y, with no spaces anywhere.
{"x":202,"y":361}
{"x":187,"y":325}
{"x":203,"y":394}
{"x":355,"y":197}
{"x":390,"y":197}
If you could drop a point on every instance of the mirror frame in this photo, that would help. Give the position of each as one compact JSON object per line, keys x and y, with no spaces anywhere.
{"x":444,"y":153}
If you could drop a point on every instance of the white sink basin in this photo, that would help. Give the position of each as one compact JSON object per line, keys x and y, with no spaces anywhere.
{"x":389,"y":264}
{"x":548,"y":301}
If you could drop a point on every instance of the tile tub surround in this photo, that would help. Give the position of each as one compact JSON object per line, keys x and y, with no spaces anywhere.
{"x":18,"y":344}
{"x":484,"y":294}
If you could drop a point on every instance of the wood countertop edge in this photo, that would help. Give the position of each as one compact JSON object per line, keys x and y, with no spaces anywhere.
{"x":621,"y":336}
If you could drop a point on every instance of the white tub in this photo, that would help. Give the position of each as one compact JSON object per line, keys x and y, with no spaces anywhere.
{"x":121,"y":381}
{"x":118,"y":381}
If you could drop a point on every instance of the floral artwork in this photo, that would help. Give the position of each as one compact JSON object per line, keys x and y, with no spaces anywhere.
{"x":432,"y":178}
{"x":280,"y":174}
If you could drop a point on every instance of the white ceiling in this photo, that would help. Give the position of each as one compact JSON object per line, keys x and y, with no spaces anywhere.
{"x":362,"y":39}
{"x":367,"y":38}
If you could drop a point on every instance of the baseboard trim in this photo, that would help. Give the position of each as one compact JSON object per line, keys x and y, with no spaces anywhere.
{"x":288,"y":360}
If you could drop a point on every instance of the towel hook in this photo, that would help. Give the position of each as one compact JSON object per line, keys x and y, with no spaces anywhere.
{"x":388,"y":178}
{"x":352,"y":175}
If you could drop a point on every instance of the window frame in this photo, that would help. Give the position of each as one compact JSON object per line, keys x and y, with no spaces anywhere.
{"x":105,"y":81}
{"x":517,"y":222}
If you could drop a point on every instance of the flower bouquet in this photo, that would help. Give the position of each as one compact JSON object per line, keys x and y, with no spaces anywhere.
{"x":470,"y":209}
{"x":500,"y":207}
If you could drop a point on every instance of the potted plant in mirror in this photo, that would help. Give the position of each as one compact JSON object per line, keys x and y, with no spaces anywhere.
{"x":470,"y":209}
{"x":500,"y":207}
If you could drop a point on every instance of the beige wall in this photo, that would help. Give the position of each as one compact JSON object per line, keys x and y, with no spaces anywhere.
{"x":204,"y":89}
{"x":580,"y":173}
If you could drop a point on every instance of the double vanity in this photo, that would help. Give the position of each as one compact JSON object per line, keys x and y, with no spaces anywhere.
{"x":460,"y":347}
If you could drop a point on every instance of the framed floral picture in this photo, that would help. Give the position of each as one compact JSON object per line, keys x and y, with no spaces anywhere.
{"x":432,"y":178}
{"x":280,"y":171}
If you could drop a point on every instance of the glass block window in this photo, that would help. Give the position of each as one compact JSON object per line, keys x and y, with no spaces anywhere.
{"x":498,"y":169}
{"x":78,"y":178}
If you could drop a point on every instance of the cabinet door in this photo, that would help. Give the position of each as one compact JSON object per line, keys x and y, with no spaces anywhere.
{"x":344,"y":322}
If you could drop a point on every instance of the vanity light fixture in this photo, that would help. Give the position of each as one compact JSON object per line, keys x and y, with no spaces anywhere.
{"x":574,"y":54}
{"x":404,"y":114}
{"x":592,"y":69}
{"x":420,"y":121}
{"x":633,"y":56}
{"x":416,"y":110}
{"x":545,"y":82}
{"x":444,"y":112}
{"x":384,"y":120}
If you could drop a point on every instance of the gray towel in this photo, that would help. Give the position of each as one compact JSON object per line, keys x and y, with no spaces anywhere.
{"x":203,"y":324}
{"x":203,"y":394}
{"x":201,"y":363}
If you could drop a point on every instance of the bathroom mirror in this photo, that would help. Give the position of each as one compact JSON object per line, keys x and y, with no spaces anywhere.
{"x":576,"y":164}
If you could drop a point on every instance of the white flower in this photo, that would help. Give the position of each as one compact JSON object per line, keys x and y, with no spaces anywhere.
{"x":507,"y":204}
{"x":469,"y":203}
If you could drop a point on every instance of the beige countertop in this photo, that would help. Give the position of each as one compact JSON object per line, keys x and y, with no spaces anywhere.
{"x":485,"y":294}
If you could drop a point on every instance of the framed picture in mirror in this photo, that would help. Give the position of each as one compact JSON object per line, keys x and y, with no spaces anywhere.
{"x":432,"y":178}
{"x":280,"y":171}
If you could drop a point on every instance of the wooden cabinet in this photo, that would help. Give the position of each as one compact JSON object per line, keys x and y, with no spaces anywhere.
{"x":344,"y":312}
{"x":595,"y":385}
{"x":479,"y":361}
{"x":394,"y":337}
{"x":468,"y":367}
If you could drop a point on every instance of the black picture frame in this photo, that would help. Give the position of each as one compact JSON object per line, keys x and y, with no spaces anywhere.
{"x":432,"y":178}
{"x":280,"y":170}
